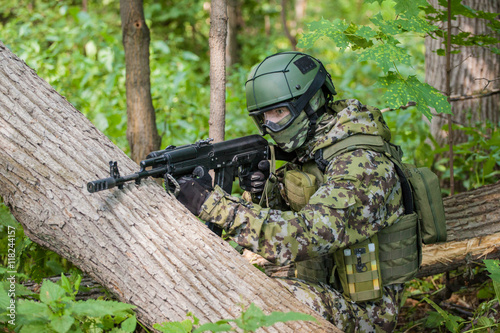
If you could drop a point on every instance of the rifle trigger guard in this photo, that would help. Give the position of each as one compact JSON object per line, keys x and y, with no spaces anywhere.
{"x":176,"y":184}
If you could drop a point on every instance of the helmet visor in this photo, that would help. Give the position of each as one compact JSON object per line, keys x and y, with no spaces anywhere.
{"x":274,"y":118}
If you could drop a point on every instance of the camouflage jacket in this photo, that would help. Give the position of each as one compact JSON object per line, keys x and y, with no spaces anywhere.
{"x":359,"y":194}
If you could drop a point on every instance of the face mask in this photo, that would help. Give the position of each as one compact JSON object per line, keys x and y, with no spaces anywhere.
{"x":294,"y":135}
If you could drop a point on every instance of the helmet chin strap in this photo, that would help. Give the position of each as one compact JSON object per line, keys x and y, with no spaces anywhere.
{"x":313,"y":118}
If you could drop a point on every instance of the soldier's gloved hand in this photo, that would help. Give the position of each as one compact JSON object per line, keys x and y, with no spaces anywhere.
{"x":195,"y":190}
{"x":254,"y":181}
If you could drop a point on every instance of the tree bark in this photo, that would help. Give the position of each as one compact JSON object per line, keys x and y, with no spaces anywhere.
{"x":471,"y":68}
{"x":217,"y":42}
{"x":292,"y":39}
{"x":473,"y":225}
{"x":139,"y":242}
{"x":233,"y":47}
{"x":142,"y":133}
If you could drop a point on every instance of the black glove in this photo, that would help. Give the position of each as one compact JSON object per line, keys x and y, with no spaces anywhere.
{"x":195,"y":190}
{"x":254,"y":181}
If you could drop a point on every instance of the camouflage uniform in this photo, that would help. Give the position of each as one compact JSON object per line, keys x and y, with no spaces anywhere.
{"x":359,"y":194}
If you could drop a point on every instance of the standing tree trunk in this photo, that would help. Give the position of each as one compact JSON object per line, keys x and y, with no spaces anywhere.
{"x":217,"y":42}
{"x":233,"y":18}
{"x":470,"y":70}
{"x":142,"y":134}
{"x":139,"y":242}
{"x":292,"y":39}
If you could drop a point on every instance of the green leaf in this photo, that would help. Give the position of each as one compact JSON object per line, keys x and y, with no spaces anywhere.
{"x":50,"y":292}
{"x":4,"y":299}
{"x":129,"y":324}
{"x":409,"y":7}
{"x":385,"y":55}
{"x":416,"y":24}
{"x":220,"y":326}
{"x":441,"y":52}
{"x":360,"y":37}
{"x":484,"y":322}
{"x":62,"y":324}
{"x":323,"y":28}
{"x":66,"y":284}
{"x":77,"y":283}
{"x":386,"y":26}
{"x":99,"y":308}
{"x":493,"y":267}
{"x":38,"y":328}
{"x":175,"y":327}
{"x":32,"y":312}
{"x":496,"y":286}
{"x":399,"y":92}
{"x":451,"y":321}
{"x":276,"y":317}
{"x":254,"y":318}
{"x":433,"y":320}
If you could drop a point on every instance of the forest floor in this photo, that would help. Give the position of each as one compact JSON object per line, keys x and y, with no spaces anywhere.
{"x":462,"y":301}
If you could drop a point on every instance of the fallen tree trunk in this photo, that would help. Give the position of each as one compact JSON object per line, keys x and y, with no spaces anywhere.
{"x":139,"y":242}
{"x":473,"y":225}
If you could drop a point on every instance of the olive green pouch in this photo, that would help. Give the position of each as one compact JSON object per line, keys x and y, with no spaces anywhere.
{"x":428,"y":203}
{"x":358,"y":269}
{"x":400,"y":251}
{"x":299,"y":187}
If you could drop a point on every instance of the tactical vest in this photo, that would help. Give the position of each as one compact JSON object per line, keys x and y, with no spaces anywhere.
{"x":394,"y":254}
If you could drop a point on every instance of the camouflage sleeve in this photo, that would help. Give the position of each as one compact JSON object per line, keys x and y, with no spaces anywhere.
{"x":361,"y":194}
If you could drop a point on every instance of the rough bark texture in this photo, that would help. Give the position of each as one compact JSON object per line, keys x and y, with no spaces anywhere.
{"x":473,"y":225}
{"x":217,"y":42}
{"x":233,"y":47}
{"x":470,"y":68}
{"x":139,"y":242}
{"x":142,"y":134}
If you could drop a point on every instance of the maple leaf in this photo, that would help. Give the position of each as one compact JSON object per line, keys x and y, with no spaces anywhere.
{"x":385,"y":55}
{"x":400,"y":91}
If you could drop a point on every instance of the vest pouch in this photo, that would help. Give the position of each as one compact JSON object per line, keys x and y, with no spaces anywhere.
{"x":358,"y":270}
{"x":428,"y":203}
{"x":299,"y":187}
{"x":400,"y":253}
{"x":314,"y":270}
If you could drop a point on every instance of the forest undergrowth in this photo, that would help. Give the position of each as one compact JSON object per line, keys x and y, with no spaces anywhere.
{"x":464,"y":300}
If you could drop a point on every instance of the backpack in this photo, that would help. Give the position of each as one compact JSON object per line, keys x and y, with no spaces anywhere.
{"x":397,"y":253}
{"x":421,"y":190}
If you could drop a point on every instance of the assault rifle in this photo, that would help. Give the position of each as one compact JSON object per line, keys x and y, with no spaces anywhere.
{"x":228,"y":159}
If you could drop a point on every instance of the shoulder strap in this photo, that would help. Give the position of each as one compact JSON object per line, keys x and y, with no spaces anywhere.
{"x":373,"y":143}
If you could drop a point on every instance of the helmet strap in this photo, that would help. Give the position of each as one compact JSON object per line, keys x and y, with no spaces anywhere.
{"x":313,"y":119}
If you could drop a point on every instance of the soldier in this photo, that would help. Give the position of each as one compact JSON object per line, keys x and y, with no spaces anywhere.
{"x":325,"y":213}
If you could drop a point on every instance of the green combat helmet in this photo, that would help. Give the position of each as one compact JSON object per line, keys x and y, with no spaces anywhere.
{"x":289,"y":80}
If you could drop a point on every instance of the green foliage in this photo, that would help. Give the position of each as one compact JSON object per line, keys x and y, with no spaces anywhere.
{"x":380,"y":43}
{"x":484,"y":316}
{"x":463,"y":38}
{"x":58,"y":311}
{"x":31,"y":260}
{"x":476,"y":161}
{"x":493,"y":266}
{"x":250,"y":320}
{"x":400,"y":91}
{"x":435,"y":319}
